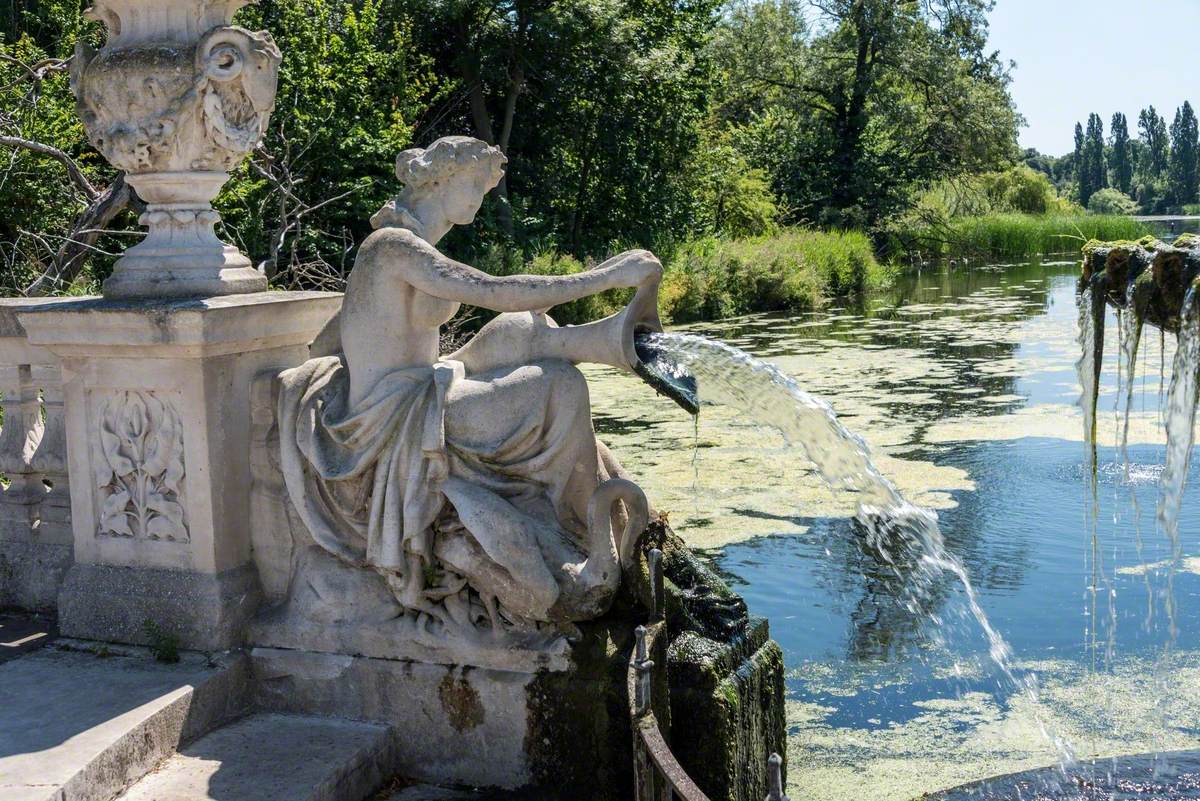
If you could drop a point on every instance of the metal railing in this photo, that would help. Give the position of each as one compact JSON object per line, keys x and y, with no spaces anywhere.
{"x":658,"y":776}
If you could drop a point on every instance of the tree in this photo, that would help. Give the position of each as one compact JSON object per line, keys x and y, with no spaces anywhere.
{"x":1182,"y":174}
{"x":597,"y":104}
{"x":875,"y":100}
{"x":1120,"y":154}
{"x":1152,"y":130}
{"x":1091,"y":173}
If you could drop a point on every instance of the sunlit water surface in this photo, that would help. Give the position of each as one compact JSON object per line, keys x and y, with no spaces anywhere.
{"x":962,"y":381}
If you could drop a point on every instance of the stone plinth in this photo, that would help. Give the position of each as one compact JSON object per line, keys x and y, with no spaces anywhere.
{"x":549,"y":733}
{"x":157,"y":401}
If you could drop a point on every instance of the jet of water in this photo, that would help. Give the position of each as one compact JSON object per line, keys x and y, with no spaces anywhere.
{"x":895,"y":528}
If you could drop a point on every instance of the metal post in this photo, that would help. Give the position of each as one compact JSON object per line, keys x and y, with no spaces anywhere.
{"x":657,"y":599}
{"x":775,"y":779}
{"x":643,"y":664}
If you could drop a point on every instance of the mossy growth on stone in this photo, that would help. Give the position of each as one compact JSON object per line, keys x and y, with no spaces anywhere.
{"x":1153,"y":274}
{"x":1187,"y":241}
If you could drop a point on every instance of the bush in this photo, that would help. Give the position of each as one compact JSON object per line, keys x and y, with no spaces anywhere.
{"x":1111,"y":201}
{"x":794,"y":270}
{"x":1018,"y":190}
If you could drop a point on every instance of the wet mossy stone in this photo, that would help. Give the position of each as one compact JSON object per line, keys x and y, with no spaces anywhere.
{"x":697,"y":598}
{"x":725,"y":676}
{"x":1159,"y":275}
{"x":718,"y":690}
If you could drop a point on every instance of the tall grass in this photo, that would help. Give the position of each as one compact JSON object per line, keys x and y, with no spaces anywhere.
{"x":794,"y":269}
{"x":1014,"y":235}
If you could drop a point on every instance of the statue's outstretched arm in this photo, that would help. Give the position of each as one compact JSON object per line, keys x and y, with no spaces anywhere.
{"x":434,"y":274}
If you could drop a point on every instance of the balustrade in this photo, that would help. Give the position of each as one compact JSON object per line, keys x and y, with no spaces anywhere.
{"x":36,"y":543}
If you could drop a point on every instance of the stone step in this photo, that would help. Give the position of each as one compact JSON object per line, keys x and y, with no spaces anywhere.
{"x":275,"y":757}
{"x":82,"y":725}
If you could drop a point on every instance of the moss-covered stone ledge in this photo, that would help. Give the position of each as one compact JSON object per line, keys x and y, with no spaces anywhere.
{"x":1148,"y":275}
{"x":725,"y":676}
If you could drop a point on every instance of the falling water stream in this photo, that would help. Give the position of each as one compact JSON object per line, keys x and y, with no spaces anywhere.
{"x":904,"y":536}
{"x":964,"y":382}
{"x":1180,"y":422}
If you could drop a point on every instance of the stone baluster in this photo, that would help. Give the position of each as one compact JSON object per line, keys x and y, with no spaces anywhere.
{"x":775,"y":779}
{"x":50,"y":459}
{"x":34,"y":551}
{"x":19,"y":439}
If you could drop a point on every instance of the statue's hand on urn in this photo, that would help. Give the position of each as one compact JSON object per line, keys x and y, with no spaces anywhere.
{"x":639,"y":268}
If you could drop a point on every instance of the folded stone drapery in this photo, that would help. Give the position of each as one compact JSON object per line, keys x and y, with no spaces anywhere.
{"x":364,"y":480}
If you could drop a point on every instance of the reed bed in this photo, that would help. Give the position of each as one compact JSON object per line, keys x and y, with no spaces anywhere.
{"x":1013,"y":235}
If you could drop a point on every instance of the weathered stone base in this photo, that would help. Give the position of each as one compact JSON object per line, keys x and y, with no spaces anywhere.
{"x":204,"y":612}
{"x":31,"y":574}
{"x":459,"y":724}
{"x":560,"y":734}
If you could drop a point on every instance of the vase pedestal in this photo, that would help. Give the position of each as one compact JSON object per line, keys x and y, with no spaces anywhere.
{"x":157,"y":406}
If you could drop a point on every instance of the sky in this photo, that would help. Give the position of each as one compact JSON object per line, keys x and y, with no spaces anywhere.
{"x":1079,"y":56}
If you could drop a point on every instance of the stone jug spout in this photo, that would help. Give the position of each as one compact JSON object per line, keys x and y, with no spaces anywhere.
{"x":524,"y":337}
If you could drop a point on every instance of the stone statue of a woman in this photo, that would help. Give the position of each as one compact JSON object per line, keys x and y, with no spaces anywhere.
{"x":472,"y":485}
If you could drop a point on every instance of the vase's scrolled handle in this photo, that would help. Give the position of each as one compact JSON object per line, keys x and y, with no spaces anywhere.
{"x":229,"y":52}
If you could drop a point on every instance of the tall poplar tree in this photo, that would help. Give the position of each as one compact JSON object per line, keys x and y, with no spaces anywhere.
{"x":1092,"y":174}
{"x":1120,"y":154}
{"x":1152,"y":130}
{"x":1182,"y":173}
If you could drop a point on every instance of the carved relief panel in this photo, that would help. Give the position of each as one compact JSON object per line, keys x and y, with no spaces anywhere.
{"x":137,"y":454}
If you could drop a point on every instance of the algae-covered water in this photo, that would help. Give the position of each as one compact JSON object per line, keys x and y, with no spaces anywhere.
{"x":962,"y":381}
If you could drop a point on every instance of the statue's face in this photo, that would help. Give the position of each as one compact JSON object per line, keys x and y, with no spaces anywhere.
{"x":463,"y":194}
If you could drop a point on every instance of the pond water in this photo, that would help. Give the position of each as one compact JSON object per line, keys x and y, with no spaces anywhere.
{"x":962,"y":381}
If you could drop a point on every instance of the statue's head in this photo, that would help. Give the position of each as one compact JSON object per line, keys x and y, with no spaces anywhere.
{"x":450,"y":178}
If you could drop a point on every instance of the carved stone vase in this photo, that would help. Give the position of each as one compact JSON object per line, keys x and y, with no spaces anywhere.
{"x":176,"y":98}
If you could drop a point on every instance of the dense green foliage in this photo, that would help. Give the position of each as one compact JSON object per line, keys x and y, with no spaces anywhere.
{"x":39,"y":199}
{"x":856,"y":105}
{"x":717,"y":133}
{"x":796,"y":270}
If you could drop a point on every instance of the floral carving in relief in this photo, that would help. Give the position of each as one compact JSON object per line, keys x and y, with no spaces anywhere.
{"x":139,"y":468}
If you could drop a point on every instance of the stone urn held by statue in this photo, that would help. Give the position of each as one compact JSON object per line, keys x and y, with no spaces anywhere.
{"x":176,"y":98}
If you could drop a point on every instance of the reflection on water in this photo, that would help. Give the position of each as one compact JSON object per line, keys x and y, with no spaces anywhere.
{"x":1146,"y":777}
{"x":962,"y":382}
